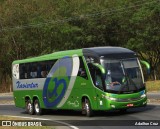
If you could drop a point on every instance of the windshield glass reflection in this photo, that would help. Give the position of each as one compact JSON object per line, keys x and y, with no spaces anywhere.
{"x":122,"y":75}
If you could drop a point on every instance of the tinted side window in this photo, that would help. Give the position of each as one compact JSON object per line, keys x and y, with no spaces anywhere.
{"x":96,"y":76}
{"x":82,"y":71}
{"x":25,"y":70}
{"x":36,"y":69}
{"x":98,"y":79}
{"x":22,"y":70}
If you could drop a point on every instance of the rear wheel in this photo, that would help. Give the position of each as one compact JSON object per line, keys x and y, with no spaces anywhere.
{"x":29,"y":107}
{"x":88,"y":109}
{"x":37,"y":108}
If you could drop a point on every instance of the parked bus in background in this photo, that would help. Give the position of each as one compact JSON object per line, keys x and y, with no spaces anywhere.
{"x":88,"y":79}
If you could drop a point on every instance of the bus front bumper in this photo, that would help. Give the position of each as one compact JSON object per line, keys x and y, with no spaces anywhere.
{"x":113,"y":105}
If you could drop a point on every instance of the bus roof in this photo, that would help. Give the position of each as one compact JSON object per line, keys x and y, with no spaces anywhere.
{"x":109,"y":52}
{"x":95,"y":51}
{"x":51,"y":56}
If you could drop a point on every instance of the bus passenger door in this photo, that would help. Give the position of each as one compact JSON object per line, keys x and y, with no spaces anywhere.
{"x":100,"y":94}
{"x":97,"y":79}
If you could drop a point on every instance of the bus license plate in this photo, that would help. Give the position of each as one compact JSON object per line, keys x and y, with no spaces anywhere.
{"x":130,"y":105}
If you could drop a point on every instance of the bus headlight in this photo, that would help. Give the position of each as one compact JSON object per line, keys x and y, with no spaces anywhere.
{"x":111,"y":98}
{"x":143,"y":96}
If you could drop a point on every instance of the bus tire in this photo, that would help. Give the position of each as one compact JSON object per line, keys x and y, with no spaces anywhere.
{"x":37,"y":108}
{"x":88,"y":109}
{"x":29,"y":107}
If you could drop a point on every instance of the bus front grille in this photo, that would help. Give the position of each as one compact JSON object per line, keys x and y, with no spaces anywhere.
{"x":128,"y":99}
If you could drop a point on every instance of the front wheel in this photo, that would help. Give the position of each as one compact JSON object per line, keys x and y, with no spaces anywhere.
{"x":37,"y":108}
{"x":88,"y":109}
{"x":29,"y":107}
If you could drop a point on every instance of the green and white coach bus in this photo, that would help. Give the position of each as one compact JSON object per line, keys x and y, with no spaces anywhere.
{"x":88,"y":79}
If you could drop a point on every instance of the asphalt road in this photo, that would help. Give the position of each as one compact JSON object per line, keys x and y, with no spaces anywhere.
{"x":8,"y":97}
{"x":155,"y":95}
{"x":151,"y":112}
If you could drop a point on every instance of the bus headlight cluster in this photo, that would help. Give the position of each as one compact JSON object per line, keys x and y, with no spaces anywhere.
{"x":111,"y":98}
{"x":143,"y":96}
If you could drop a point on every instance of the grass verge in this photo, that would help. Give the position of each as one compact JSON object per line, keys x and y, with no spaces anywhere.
{"x":153,"y":86}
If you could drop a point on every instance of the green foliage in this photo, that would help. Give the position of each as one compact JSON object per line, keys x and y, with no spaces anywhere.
{"x":36,"y":27}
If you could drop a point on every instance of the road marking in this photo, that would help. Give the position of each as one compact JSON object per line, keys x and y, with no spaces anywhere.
{"x":71,"y":126}
{"x":7,"y":104}
{"x":157,"y":104}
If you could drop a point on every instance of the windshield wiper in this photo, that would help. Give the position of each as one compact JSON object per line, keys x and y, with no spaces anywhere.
{"x":123,"y":86}
{"x":128,"y":80}
{"x":133,"y":83}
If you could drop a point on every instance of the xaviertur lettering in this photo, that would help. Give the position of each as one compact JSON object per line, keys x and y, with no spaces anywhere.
{"x":26,"y":85}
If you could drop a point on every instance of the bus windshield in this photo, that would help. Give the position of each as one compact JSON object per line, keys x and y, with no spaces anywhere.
{"x":123,"y":75}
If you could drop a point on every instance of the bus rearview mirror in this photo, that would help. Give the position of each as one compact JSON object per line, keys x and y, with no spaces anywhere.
{"x":147,"y":65}
{"x":100,"y":67}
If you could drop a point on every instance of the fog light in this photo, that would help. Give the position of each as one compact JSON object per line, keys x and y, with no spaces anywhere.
{"x":143,"y":96}
{"x":113,"y":106}
{"x":144,"y":102}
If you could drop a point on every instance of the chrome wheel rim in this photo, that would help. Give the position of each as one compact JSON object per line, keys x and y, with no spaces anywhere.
{"x":29,"y":107}
{"x":37,"y":107}
{"x":87,"y":107}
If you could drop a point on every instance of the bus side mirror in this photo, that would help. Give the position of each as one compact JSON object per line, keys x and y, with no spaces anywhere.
{"x":94,"y":66}
{"x":100,"y":67}
{"x":147,"y":65}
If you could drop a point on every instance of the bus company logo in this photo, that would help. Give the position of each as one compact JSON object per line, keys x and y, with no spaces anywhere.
{"x":55,"y":86}
{"x":26,"y":85}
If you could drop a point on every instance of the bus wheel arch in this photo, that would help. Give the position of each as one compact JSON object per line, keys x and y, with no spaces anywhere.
{"x":37,"y":106}
{"x":86,"y":106}
{"x":29,"y":105}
